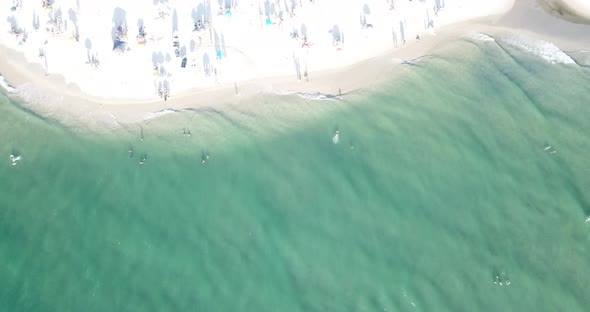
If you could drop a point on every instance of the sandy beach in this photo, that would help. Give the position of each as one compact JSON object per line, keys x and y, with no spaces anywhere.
{"x":97,"y":64}
{"x":577,"y":11}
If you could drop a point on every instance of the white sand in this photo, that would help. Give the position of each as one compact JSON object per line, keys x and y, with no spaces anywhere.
{"x":249,"y":48}
{"x":255,"y":56}
{"x":578,"y":8}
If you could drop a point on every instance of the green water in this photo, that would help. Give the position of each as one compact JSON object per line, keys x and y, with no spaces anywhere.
{"x":439,"y":183}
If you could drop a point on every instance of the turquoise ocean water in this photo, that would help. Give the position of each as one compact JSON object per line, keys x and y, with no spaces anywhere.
{"x":438,"y":184}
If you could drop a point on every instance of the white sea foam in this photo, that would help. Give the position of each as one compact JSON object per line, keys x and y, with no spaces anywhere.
{"x":9,"y":88}
{"x":308,"y":96}
{"x":283,"y":92}
{"x":315,"y":96}
{"x":482,"y":37}
{"x":547,"y":50}
{"x":152,"y":115}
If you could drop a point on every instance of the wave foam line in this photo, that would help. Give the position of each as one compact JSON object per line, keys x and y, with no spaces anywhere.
{"x":547,"y":50}
{"x":482,"y":37}
{"x":7,"y":86}
{"x":152,"y":115}
{"x":309,"y":96}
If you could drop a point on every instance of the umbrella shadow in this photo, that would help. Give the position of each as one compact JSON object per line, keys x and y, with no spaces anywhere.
{"x":336,"y":34}
{"x":206,"y":64}
{"x":402,"y":31}
{"x":174,"y":22}
{"x":119,"y":22}
{"x":88,"y":45}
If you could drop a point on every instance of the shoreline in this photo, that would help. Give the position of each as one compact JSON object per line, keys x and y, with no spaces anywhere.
{"x":53,"y":97}
{"x":82,"y":110}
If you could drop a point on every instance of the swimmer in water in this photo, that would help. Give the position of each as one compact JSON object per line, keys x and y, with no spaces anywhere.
{"x":336,"y":137}
{"x":204,"y":158}
{"x":508,"y":283}
{"x":14,"y":159}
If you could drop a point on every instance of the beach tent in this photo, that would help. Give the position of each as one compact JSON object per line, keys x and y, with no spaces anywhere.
{"x":119,"y":46}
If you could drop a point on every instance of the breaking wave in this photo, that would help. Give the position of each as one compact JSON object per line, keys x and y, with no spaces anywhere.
{"x":547,"y":50}
{"x":152,"y":115}
{"x":482,"y":37}
{"x":309,"y":96}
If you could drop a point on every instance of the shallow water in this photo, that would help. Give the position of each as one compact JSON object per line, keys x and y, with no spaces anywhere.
{"x":439,"y":182}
